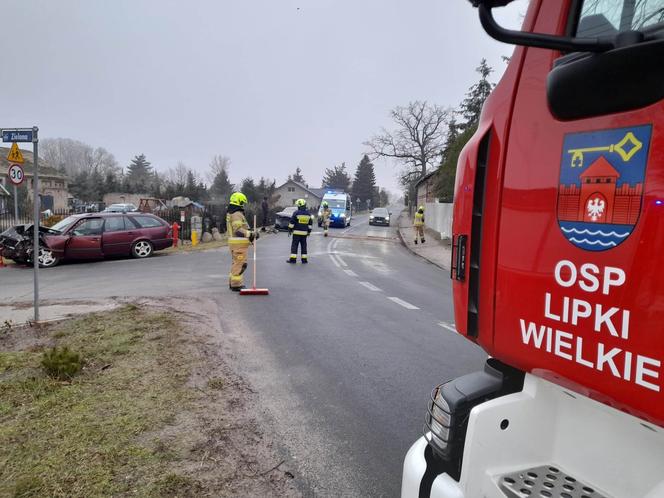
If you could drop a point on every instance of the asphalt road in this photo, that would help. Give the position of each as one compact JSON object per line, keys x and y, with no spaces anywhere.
{"x":343,"y":352}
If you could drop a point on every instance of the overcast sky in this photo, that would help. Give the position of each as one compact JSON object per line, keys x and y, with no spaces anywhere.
{"x":273,"y":84}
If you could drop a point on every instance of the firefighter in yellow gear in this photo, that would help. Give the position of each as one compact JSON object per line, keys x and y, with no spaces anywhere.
{"x":418,"y":223}
{"x":326,"y":213}
{"x":239,"y":238}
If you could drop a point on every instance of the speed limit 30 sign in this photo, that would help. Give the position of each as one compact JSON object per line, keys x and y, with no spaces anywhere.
{"x":15,"y":174}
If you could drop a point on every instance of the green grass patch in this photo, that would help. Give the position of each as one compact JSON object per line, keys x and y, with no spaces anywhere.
{"x":81,"y":437}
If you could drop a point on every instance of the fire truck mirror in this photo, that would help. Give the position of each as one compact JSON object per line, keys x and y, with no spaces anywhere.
{"x":490,"y":3}
{"x":584,"y":87}
{"x":515,"y":37}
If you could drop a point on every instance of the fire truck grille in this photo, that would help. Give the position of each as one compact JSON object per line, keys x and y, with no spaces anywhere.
{"x":544,"y":482}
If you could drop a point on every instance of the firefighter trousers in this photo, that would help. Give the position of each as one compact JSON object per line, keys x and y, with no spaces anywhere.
{"x":301,"y":241}
{"x":419,"y":232}
{"x":326,"y":227}
{"x":238,"y":265}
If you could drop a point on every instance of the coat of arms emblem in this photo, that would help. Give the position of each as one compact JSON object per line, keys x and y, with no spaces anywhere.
{"x":600,"y":193}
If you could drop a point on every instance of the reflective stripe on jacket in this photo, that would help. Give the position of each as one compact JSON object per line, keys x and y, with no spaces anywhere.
{"x":419,"y":219}
{"x":301,"y":222}
{"x":237,"y":229}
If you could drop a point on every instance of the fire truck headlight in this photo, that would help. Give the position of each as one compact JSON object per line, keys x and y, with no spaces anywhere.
{"x":438,"y":420}
{"x":450,"y":405}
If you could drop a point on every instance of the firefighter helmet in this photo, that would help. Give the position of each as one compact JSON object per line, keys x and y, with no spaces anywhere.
{"x":325,"y":204}
{"x":300,"y":203}
{"x":421,"y":208}
{"x":238,"y":199}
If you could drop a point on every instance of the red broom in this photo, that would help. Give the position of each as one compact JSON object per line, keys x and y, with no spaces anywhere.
{"x":254,"y":291}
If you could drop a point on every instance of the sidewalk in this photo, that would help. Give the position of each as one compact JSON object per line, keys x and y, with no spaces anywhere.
{"x":434,"y":250}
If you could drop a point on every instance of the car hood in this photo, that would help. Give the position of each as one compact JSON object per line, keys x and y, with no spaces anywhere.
{"x":284,"y":214}
{"x":22,"y":232}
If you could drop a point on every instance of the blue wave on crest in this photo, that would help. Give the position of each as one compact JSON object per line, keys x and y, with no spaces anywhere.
{"x":593,"y":242}
{"x":596,"y":232}
{"x":595,"y":236}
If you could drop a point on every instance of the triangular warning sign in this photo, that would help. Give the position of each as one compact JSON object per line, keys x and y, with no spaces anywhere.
{"x":15,"y":155}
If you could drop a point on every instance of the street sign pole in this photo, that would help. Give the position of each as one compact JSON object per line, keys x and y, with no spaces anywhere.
{"x":15,"y":205}
{"x":35,"y":228}
{"x":26,"y":135}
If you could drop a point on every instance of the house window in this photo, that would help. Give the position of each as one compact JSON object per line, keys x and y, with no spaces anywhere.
{"x":291,"y":189}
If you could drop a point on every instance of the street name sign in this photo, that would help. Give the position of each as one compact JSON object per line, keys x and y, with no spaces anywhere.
{"x":17,"y":135}
{"x":15,"y":174}
{"x":15,"y":155}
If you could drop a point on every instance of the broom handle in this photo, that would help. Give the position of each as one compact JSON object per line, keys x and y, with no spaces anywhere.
{"x":255,"y":233}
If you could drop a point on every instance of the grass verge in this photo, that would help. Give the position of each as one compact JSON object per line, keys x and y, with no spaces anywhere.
{"x":201,"y":246}
{"x":81,"y":437}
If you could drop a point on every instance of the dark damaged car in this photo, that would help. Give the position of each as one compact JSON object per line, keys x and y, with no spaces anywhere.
{"x":89,"y":236}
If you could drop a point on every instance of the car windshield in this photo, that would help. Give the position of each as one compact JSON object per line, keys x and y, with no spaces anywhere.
{"x":336,"y":203}
{"x":60,"y":226}
{"x":379,"y":212}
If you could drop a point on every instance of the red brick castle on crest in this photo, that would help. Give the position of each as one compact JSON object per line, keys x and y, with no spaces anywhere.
{"x":599,"y":200}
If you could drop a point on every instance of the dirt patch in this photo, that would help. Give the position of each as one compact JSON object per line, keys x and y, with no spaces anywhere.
{"x":156,"y":411}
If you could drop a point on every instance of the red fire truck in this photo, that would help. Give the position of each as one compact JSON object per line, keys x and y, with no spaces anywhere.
{"x":558,"y":267}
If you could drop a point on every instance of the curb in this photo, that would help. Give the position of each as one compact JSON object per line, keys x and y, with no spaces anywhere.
{"x":403,"y":242}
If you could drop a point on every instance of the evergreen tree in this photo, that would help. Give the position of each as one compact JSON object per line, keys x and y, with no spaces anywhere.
{"x":221,"y":188}
{"x":190,"y":185}
{"x":446,"y":173}
{"x":249,"y":189}
{"x":297,"y":177}
{"x":384,"y":198}
{"x":471,"y":107}
{"x":156,"y":185}
{"x":266,"y":188}
{"x":450,"y":140}
{"x":139,"y":173}
{"x":94,"y":186}
{"x":337,"y":178}
{"x":110,"y":183}
{"x":364,"y":184}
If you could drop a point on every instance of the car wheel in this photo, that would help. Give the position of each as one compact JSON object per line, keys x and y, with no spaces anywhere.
{"x":142,"y":249}
{"x":46,"y":258}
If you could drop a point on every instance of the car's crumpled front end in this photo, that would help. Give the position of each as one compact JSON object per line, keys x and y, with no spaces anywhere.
{"x":16,"y":242}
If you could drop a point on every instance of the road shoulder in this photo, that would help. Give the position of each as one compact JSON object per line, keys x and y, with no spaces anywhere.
{"x":435,"y":251}
{"x":156,"y":410}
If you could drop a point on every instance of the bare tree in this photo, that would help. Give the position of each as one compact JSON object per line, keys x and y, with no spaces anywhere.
{"x":417,"y":141}
{"x":218,"y":164}
{"x":74,"y":157}
{"x":178,"y":175}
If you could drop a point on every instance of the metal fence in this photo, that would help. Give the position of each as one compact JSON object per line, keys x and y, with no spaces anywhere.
{"x":212,"y":216}
{"x":25,"y":216}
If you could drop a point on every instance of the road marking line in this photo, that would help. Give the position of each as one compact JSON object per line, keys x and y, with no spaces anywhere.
{"x":334,"y":261}
{"x":350,"y":273}
{"x":403,"y":303}
{"x":447,"y":326}
{"x":370,"y":286}
{"x":343,"y":263}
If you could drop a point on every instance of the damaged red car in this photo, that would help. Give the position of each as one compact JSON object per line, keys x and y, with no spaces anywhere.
{"x":89,"y":236}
